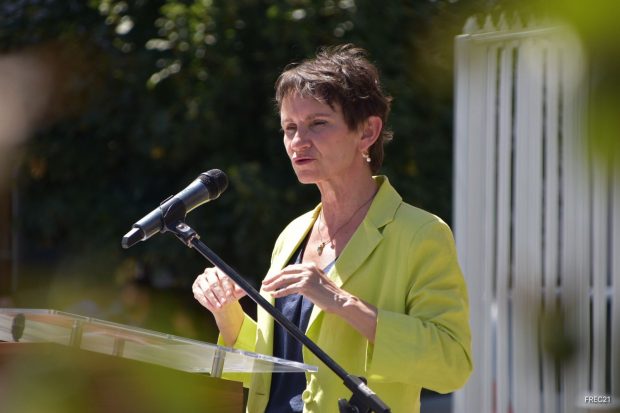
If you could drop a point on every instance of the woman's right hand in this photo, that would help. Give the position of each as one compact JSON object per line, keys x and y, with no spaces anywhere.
{"x":219,"y":294}
{"x":215,"y":291}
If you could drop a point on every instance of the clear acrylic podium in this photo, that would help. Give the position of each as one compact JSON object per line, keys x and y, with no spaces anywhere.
{"x":115,"y":343}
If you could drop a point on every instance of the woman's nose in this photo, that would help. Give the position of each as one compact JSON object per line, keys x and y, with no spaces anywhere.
{"x":300,"y":139}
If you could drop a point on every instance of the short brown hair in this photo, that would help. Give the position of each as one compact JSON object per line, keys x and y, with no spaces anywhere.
{"x":341,"y":74}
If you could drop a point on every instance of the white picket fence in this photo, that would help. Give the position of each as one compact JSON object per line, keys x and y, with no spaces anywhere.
{"x":537,"y":222}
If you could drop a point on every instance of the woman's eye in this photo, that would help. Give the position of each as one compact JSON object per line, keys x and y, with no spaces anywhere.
{"x":290,"y":129}
{"x":317,"y":124}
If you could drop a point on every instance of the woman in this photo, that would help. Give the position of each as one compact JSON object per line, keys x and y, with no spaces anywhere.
{"x":373,"y":281}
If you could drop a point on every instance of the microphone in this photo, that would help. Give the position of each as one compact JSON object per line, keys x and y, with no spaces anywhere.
{"x":207,"y":187}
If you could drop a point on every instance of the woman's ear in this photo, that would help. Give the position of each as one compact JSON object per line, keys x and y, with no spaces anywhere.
{"x":370,"y":132}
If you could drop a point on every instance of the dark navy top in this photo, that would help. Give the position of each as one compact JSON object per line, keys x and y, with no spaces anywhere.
{"x":286,"y":388}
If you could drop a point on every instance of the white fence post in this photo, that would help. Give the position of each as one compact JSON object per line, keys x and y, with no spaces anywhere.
{"x":537,"y":223}
{"x":471,"y":81}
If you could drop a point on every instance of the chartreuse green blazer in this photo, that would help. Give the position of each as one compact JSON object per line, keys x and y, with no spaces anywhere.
{"x":402,"y":260}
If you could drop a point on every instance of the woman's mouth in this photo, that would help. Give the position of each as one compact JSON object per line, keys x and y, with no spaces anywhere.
{"x":302,"y":160}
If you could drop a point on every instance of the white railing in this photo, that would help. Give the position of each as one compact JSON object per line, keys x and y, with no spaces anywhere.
{"x":537,"y":223}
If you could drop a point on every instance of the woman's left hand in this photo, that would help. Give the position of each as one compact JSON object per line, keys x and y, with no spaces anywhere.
{"x":311,"y":282}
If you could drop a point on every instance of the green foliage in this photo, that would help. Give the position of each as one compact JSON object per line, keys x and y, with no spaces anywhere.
{"x":154,"y":92}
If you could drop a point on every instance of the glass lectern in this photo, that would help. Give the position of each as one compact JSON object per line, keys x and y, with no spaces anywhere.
{"x":56,"y":362}
{"x":85,"y":333}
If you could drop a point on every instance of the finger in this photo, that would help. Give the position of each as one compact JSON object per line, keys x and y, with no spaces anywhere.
{"x":205,"y":278}
{"x":200,"y":296}
{"x":209,"y":286}
{"x":210,"y":279}
{"x":288,"y":270}
{"x":219,"y":290}
{"x":287,"y":290}
{"x":295,"y":268}
{"x":282,"y":282}
{"x":304,"y":268}
{"x":213,"y":300}
{"x":270,"y":279}
{"x":203,"y":283}
{"x":231,"y":290}
{"x":239,"y":292}
{"x":236,"y":291}
{"x":213,"y":275}
{"x":271,"y":283}
{"x":224,"y":286}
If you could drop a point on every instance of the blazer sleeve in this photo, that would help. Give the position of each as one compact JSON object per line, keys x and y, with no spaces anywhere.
{"x":430,"y":344}
{"x":246,"y":341}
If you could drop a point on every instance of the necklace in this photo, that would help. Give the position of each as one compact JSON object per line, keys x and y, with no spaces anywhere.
{"x":322,"y":245}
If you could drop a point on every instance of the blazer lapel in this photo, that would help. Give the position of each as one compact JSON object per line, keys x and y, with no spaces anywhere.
{"x":299,"y":229}
{"x":264,"y":340}
{"x":365,"y":239}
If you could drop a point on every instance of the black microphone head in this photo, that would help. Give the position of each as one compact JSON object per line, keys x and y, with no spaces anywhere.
{"x":216,"y":182}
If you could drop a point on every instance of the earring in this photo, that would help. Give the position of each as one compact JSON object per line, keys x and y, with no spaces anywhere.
{"x":366,"y":156}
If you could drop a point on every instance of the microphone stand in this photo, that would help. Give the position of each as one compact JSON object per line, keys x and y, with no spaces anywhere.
{"x":363,"y":400}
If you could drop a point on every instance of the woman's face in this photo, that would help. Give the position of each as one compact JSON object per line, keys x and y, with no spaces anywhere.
{"x":318,"y":141}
